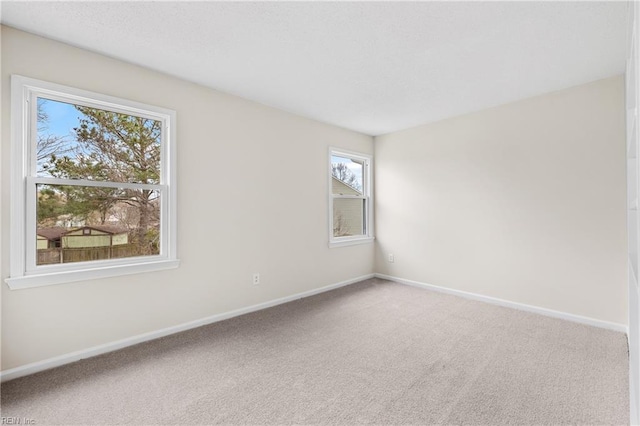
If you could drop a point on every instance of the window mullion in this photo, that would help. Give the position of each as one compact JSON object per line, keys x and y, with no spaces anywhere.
{"x":95,"y":183}
{"x":30,"y":224}
{"x":92,"y":103}
{"x":32,"y":134}
{"x":349,"y":196}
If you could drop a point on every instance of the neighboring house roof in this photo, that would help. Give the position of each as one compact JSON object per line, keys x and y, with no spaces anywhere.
{"x":109,"y":229}
{"x":57,"y":232}
{"x":341,"y":182}
{"x":52,"y":233}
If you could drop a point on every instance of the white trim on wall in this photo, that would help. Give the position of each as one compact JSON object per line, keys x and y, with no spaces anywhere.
{"x":514,"y":305}
{"x":58,"y":361}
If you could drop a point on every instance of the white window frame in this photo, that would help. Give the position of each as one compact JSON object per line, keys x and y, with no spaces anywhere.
{"x":24,"y":272}
{"x":367,"y":196}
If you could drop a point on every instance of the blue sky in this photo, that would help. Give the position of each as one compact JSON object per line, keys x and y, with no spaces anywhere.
{"x":63,"y":117}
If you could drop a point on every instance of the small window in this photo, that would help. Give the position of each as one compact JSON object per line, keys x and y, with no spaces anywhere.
{"x":93,"y":190}
{"x":350,"y":207}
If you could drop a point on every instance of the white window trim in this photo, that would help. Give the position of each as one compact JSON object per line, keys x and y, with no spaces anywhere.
{"x":23,"y":271}
{"x":367,"y":176}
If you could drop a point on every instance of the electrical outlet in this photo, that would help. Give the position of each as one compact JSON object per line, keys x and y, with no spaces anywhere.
{"x":391,"y":258}
{"x":256,"y":278}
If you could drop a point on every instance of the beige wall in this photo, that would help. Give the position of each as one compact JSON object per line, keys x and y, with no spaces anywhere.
{"x":523,"y":202}
{"x":231,"y":152}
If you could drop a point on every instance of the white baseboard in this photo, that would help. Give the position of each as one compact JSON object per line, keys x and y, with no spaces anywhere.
{"x":515,"y":305}
{"x":47,"y":364}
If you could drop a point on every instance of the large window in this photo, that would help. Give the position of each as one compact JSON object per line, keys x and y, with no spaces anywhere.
{"x":350,"y":211}
{"x":92,"y":185}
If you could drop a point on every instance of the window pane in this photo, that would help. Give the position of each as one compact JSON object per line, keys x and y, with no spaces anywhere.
{"x":347,"y":176}
{"x":348,"y":214}
{"x":81,"y":223}
{"x":78,"y":142}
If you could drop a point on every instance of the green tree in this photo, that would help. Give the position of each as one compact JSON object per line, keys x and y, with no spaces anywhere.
{"x":50,"y":204}
{"x":117,"y":148}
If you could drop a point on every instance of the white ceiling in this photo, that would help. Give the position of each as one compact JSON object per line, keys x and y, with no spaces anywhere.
{"x":374,"y":67}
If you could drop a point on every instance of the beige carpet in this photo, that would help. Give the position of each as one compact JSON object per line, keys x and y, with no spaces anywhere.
{"x":373,"y":352}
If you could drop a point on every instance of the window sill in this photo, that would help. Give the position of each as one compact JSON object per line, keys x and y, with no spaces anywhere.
{"x":350,"y":242}
{"x":62,"y":277}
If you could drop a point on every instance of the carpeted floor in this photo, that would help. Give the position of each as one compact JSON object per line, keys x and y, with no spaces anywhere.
{"x":373,"y":352}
